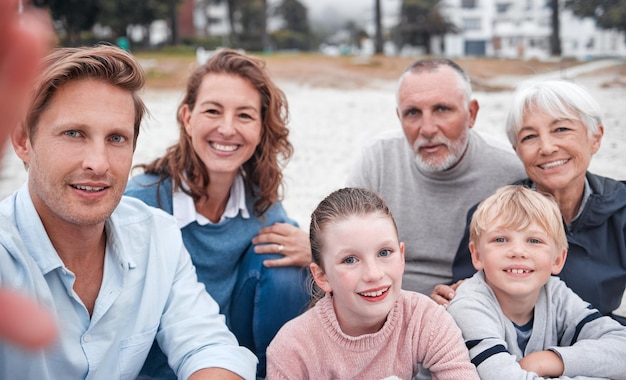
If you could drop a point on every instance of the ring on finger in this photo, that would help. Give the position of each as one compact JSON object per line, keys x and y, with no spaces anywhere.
{"x":281,"y":248}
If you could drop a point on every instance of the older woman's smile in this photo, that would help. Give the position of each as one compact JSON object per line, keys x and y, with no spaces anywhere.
{"x":553,"y":164}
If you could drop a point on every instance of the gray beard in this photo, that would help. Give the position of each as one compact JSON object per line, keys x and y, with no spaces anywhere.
{"x":456,"y":153}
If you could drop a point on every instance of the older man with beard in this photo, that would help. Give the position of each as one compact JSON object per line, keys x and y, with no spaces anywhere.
{"x":433,"y":173}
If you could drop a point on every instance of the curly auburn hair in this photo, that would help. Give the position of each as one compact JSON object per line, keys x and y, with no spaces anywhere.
{"x":262,"y":173}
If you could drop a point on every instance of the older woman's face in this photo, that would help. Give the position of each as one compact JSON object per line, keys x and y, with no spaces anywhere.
{"x":555,"y":152}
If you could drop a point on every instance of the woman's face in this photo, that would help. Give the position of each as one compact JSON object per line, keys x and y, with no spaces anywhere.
{"x":555,"y":152}
{"x":225,"y":125}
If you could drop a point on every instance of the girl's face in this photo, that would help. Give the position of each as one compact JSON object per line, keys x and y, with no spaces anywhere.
{"x":225,"y":125}
{"x":363,"y":263}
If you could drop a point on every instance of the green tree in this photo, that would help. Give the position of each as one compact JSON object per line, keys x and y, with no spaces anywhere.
{"x":252,"y":18}
{"x":609,"y":14}
{"x":74,"y":16}
{"x":295,"y":34}
{"x":294,"y":14}
{"x":77,"y":16}
{"x":419,"y":21}
{"x":119,"y":14}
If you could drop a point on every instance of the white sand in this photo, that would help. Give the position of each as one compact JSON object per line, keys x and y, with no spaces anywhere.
{"x":329,"y":126}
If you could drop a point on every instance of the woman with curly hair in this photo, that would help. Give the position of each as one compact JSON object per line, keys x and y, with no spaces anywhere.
{"x":221,"y":181}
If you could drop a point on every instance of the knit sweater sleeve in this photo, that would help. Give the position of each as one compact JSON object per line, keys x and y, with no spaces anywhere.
{"x":591,"y":344}
{"x":477,"y":312}
{"x":440,"y":343}
{"x":286,"y":355}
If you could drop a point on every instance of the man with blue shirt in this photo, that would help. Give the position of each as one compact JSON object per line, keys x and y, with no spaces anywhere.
{"x":113,"y":271}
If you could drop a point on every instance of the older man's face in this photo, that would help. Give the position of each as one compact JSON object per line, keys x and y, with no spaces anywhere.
{"x":436,"y":117}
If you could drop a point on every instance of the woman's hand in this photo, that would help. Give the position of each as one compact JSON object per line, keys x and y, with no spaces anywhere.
{"x":443,"y":294}
{"x":286,"y":239}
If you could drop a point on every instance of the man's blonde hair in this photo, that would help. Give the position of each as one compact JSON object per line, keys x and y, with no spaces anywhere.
{"x":516,"y":207}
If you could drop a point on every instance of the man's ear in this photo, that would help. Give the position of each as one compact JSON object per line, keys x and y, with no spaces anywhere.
{"x":476,"y":259}
{"x":473,"y":110}
{"x":320,"y":278}
{"x":559,"y":261}
{"x":21,"y":144}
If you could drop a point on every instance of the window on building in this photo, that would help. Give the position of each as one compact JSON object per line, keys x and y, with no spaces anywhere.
{"x":529,"y":5}
{"x":471,"y":24}
{"x":469,"y":4}
{"x":545,"y":21}
{"x":502,"y":7}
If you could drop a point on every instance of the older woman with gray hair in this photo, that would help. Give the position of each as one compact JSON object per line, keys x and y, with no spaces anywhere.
{"x":555,"y":128}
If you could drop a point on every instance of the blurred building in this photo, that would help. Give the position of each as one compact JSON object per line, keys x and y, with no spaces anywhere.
{"x":522,"y":29}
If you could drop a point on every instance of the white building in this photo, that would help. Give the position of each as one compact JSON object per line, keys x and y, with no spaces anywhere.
{"x":522,"y":29}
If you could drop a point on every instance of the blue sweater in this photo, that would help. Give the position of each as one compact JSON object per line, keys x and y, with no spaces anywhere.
{"x":215,"y":249}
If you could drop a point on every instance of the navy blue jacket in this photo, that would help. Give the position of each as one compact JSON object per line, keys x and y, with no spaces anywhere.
{"x":595,"y":267}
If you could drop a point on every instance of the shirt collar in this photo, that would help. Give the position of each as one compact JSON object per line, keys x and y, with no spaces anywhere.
{"x":34,"y":235}
{"x":586,"y":193}
{"x":184,"y":209}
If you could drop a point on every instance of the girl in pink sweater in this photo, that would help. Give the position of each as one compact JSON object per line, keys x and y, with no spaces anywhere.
{"x":364,"y":326}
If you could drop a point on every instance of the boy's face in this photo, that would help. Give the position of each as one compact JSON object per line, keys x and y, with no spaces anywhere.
{"x":363,"y":267}
{"x":517,"y":263}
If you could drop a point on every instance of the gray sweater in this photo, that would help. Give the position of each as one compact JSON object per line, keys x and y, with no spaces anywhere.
{"x":430,"y":209}
{"x":589,"y":344}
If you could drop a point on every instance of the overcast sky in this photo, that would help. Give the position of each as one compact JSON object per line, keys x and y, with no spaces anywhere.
{"x":355,"y":10}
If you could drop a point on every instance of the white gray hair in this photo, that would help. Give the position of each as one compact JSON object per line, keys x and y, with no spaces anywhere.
{"x":559,"y":98}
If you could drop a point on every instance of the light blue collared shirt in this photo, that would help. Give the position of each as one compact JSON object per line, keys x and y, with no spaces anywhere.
{"x":149,"y":288}
{"x":184,"y":208}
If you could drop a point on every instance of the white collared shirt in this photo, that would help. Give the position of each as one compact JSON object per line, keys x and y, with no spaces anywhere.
{"x":184,"y":209}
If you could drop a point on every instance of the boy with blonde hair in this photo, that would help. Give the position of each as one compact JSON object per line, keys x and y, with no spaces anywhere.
{"x":519,"y":321}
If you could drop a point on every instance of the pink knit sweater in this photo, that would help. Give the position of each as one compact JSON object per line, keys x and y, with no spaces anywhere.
{"x":312,"y":346}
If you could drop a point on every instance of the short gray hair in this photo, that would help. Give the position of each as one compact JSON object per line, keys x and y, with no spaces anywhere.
{"x":559,"y":98}
{"x":434,"y":64}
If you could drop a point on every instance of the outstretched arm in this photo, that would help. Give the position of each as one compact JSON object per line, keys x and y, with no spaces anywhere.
{"x":23,"y":42}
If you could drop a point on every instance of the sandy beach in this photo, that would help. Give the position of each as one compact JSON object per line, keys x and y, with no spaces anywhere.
{"x":333,"y":113}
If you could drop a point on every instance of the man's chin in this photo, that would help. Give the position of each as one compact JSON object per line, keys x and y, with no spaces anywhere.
{"x":431,"y":166}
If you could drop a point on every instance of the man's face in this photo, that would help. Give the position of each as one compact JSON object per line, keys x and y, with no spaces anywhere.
{"x":436,"y":117}
{"x":80,"y":156}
